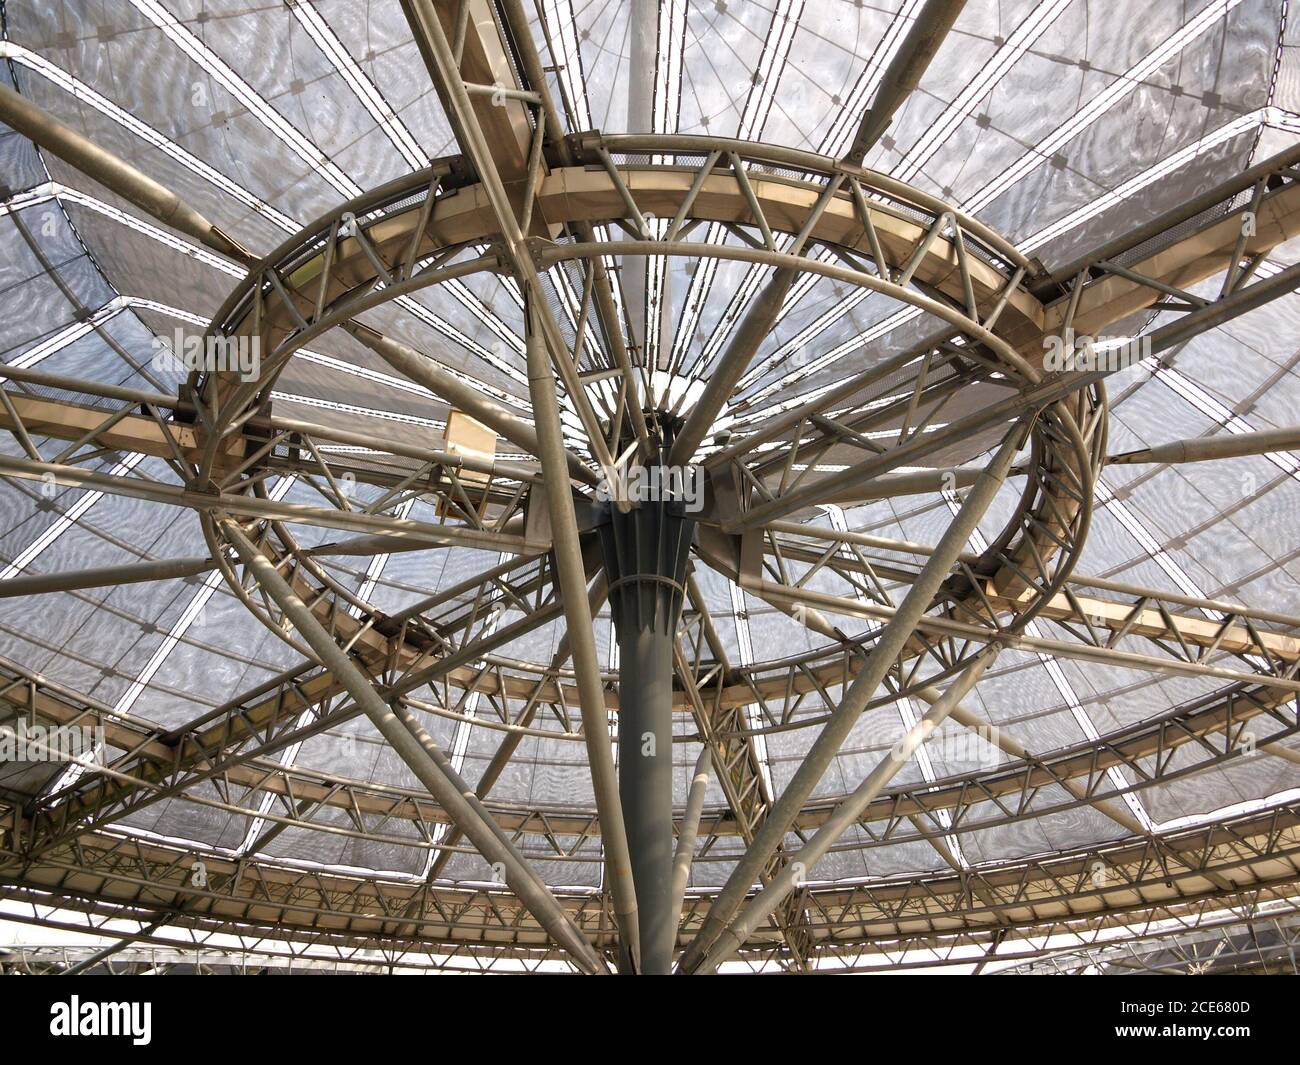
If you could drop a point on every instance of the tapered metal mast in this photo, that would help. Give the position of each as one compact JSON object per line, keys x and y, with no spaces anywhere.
{"x":646,"y":548}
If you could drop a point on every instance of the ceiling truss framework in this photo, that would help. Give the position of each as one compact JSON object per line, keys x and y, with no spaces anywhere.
{"x":550,"y":212}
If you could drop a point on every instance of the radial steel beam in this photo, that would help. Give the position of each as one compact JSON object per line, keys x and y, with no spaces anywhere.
{"x":844,"y":483}
{"x":730,"y":368}
{"x":63,"y":420}
{"x":424,"y":371}
{"x":1087,"y":604}
{"x":842,"y":818}
{"x":224,"y":741}
{"x":940,"y":627}
{"x":104,"y":576}
{"x":445,"y":70}
{"x":1171,"y":220}
{"x":1279,"y":646}
{"x":888,"y":645}
{"x":422,"y":757}
{"x":1008,"y":745}
{"x":773,"y":428}
{"x":572,"y":587}
{"x":1148,"y":616}
{"x":427,"y":533}
{"x":904,"y":72}
{"x":534,"y":72}
{"x":1206,"y":448}
{"x":917,"y":482}
{"x":128,"y":182}
{"x":1053,"y":387}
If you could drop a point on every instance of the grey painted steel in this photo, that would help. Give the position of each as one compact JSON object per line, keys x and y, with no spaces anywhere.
{"x":645,"y":785}
{"x":843,"y":817}
{"x":646,"y":551}
{"x":124,"y":179}
{"x":832,"y":736}
{"x":417,"y":749}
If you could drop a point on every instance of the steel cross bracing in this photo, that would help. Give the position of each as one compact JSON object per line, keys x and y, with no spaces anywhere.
{"x":1014,"y":797}
{"x":538,"y":201}
{"x":1259,"y":941}
{"x":1020,"y":902}
{"x":1224,"y":728}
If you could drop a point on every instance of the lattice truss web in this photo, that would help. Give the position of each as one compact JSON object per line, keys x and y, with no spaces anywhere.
{"x":336,"y":334}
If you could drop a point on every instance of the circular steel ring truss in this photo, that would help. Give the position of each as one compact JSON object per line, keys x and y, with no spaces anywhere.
{"x":1025,"y":553}
{"x":1012,"y":907}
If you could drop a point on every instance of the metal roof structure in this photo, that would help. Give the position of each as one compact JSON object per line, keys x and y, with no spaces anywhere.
{"x":542,"y":486}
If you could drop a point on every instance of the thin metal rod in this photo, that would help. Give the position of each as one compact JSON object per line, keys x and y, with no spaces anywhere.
{"x":422,"y":756}
{"x":724,"y":376}
{"x":888,"y":646}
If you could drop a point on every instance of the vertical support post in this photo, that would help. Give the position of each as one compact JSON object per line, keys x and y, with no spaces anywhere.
{"x":646,"y":549}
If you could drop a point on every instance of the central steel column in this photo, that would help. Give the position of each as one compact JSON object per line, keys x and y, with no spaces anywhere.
{"x":646,"y":549}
